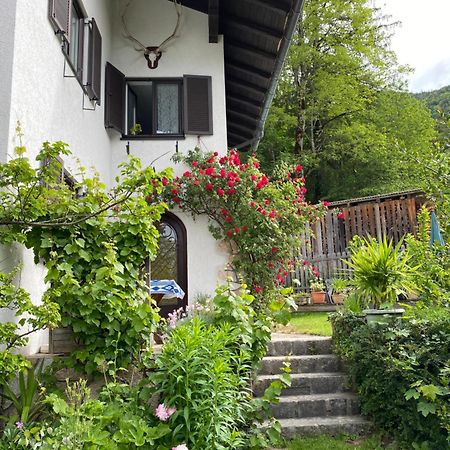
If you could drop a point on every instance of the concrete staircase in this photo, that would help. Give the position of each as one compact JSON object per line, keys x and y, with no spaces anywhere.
{"x":319,"y":400}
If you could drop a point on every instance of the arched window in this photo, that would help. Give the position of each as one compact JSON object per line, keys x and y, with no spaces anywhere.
{"x":171,"y":261}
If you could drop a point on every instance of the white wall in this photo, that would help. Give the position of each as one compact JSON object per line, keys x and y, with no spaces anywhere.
{"x":49,"y":106}
{"x":189,"y":54}
{"x":7,"y":25}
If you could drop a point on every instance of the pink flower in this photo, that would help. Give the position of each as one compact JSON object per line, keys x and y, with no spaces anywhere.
{"x":298,"y":168}
{"x":341,"y":215}
{"x":220,"y":192}
{"x":19,"y":425}
{"x":209,"y":187}
{"x":187,"y":174}
{"x":180,"y":447}
{"x":164,"y":181}
{"x":194,"y":164}
{"x":210,"y":171}
{"x":325,"y":203}
{"x":162,"y":412}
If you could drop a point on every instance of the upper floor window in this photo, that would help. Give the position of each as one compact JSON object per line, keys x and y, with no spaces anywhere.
{"x":70,"y":23}
{"x":154,"y":107}
{"x":158,"y":107}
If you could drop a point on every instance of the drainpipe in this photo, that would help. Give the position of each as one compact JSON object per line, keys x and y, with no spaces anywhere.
{"x":291,"y":23}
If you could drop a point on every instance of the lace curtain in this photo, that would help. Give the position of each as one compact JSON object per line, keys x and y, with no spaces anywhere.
{"x":168,"y":109}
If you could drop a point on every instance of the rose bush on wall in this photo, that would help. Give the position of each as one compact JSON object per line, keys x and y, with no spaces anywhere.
{"x":260,"y":218}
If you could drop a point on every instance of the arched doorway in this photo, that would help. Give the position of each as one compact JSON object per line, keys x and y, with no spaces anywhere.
{"x":171,"y":261}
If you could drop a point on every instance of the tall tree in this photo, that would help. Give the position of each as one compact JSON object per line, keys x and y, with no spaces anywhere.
{"x":339,"y":109}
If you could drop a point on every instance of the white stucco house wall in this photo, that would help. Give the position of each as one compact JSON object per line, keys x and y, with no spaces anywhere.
{"x":69,"y":73}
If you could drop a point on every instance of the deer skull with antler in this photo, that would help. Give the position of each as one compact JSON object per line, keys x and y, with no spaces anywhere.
{"x":151,"y":54}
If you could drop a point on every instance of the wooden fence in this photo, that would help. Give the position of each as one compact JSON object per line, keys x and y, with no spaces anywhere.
{"x":326,"y":241}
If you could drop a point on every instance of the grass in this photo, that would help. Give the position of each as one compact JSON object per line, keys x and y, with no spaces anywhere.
{"x":308,"y":323}
{"x":339,"y":443}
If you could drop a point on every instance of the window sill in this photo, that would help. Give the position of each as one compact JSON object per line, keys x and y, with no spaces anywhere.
{"x":150,"y":137}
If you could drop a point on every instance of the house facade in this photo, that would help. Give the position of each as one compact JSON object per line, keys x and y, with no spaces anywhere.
{"x":142,"y":77}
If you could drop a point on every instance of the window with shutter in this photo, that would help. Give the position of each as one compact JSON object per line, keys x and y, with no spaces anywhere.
{"x":94,"y":68}
{"x":59,"y":14}
{"x":114,"y":98}
{"x":197,"y":105}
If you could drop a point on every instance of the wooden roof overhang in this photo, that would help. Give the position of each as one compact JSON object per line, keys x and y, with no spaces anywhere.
{"x":256,"y":35}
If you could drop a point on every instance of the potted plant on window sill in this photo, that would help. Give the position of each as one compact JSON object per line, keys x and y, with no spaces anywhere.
{"x":381,"y":272}
{"x":318,"y":293}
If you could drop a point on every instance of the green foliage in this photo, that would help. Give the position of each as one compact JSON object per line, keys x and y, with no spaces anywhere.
{"x":204,"y":372}
{"x":436,"y":100}
{"x":94,"y":246}
{"x":260,"y":219}
{"x":28,"y":318}
{"x":28,"y":402}
{"x":83,"y":422}
{"x":340,"y":108}
{"x":433,"y":280}
{"x":381,"y":271}
{"x":401,"y":372}
{"x":342,"y":442}
{"x":431,"y":169}
{"x":207,"y":381}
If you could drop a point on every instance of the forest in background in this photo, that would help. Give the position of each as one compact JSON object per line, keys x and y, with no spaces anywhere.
{"x":342,"y":110}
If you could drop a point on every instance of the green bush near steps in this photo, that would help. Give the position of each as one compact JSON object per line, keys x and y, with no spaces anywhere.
{"x":401,"y":371}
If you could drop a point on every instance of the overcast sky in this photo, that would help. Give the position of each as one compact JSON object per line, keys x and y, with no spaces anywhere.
{"x":423,"y":40}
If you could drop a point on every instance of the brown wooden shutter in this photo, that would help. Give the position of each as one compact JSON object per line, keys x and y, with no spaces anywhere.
{"x":197,"y":105}
{"x":59,"y":14}
{"x":114,"y":98}
{"x":94,"y":68}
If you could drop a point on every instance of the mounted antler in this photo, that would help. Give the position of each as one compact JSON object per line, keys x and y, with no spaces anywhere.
{"x":151,"y":54}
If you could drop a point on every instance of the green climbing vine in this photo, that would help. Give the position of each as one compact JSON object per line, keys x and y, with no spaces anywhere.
{"x":94,"y":244}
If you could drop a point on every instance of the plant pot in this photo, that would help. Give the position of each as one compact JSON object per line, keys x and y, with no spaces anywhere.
{"x":382,"y":315}
{"x":338,"y":299}
{"x":318,"y":297}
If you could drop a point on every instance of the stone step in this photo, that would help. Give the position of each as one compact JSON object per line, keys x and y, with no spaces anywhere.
{"x":272,"y":365}
{"x":305,"y":383}
{"x":312,"y":345}
{"x":316,"y":405}
{"x":353,"y":425}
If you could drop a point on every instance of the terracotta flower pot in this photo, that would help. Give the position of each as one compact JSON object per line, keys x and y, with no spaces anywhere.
{"x":318,"y":297}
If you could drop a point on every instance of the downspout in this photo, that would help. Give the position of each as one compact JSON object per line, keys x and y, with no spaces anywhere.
{"x":292,"y":20}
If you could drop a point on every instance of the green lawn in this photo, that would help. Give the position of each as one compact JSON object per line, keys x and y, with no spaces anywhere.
{"x":339,"y":443}
{"x":308,"y":323}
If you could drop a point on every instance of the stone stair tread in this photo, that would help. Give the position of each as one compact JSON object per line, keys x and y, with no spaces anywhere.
{"x":331,"y":425}
{"x":298,"y":337}
{"x":304,"y":375}
{"x":289,"y":357}
{"x":316,"y":397}
{"x":320,"y":421}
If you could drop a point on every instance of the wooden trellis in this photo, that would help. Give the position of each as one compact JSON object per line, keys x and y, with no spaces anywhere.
{"x":326,"y":241}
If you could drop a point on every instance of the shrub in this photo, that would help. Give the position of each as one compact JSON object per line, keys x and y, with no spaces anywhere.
{"x":94,"y":245}
{"x":433,"y":279}
{"x":261,"y":219}
{"x":381,"y":271}
{"x":401,"y":371}
{"x":207,"y":382}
